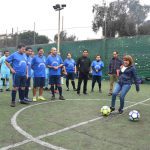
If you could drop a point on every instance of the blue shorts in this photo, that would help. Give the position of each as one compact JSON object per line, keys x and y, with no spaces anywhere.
{"x":38,"y":82}
{"x":28,"y":82}
{"x":55,"y":79}
{"x":70,"y":76}
{"x":5,"y":75}
{"x":19,"y":81}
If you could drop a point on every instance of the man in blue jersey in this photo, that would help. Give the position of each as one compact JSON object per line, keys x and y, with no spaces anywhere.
{"x":5,"y":72}
{"x":70,"y":71}
{"x":38,"y":66}
{"x":54,"y":63}
{"x":28,"y":58}
{"x":19,"y":70}
{"x":97,"y":66}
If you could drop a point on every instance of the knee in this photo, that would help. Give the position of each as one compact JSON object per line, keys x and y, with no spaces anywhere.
{"x":114,"y":94}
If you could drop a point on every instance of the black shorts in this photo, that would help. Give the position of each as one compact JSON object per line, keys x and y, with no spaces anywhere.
{"x":70,"y":76}
{"x":38,"y":82}
{"x":55,"y":79}
{"x":28,"y":82}
{"x":19,"y":81}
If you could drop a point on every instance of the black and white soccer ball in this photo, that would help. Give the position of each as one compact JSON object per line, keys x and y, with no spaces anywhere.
{"x":134,"y":115}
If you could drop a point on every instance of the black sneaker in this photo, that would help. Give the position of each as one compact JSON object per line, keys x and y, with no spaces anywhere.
{"x":13,"y":104}
{"x":24,"y":102}
{"x":112,"y":109}
{"x":46,"y":88}
{"x":78,"y":93}
{"x":53,"y":97}
{"x":120,"y":111}
{"x":1,"y":90}
{"x":67,"y":89}
{"x":61,"y":98}
{"x":8,"y":89}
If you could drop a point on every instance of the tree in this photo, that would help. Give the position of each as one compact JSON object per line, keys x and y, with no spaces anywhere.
{"x":64,"y":37}
{"x":120,"y":17}
{"x":28,"y":38}
{"x":144,"y":29}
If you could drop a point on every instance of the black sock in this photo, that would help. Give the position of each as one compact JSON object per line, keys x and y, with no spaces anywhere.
{"x":19,"y":93}
{"x":67,"y":83}
{"x":73,"y":84}
{"x":22,"y":94}
{"x":13,"y":95}
{"x":60,"y":90}
{"x":52,"y":89}
{"x":26,"y":92}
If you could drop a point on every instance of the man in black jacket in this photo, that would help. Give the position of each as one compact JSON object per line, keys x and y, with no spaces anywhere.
{"x":114,"y":67}
{"x":83,"y":67}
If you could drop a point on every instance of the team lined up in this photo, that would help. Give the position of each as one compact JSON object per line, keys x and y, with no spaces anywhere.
{"x":22,"y":63}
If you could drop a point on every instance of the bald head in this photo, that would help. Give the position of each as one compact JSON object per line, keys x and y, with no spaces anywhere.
{"x":54,"y":51}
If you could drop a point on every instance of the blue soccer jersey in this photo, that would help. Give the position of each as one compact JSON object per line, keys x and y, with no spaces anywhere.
{"x":38,"y":66}
{"x":70,"y":65}
{"x":97,"y":65}
{"x":54,"y":61}
{"x":18,"y":62}
{"x":28,"y":59}
{"x":4,"y":68}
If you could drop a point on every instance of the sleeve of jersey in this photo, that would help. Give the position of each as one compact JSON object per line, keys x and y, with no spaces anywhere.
{"x":10,"y":58}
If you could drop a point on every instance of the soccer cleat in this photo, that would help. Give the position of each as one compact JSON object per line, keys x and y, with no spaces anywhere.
{"x":41,"y":98}
{"x":53,"y":97}
{"x":13,"y":104}
{"x":24,"y":102}
{"x":61,"y":98}
{"x":112,"y":109}
{"x":120,"y":111}
{"x":34,"y":99}
{"x":46,"y":88}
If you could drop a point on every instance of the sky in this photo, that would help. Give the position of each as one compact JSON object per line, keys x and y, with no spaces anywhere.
{"x":77,"y":16}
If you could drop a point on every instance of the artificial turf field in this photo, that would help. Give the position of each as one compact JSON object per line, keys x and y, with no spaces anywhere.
{"x":76,"y":123}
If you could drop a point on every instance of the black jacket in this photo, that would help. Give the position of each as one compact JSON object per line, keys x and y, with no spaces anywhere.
{"x":83,"y":65}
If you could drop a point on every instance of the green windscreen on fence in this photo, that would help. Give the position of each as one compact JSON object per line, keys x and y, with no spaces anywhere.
{"x":137,"y":46}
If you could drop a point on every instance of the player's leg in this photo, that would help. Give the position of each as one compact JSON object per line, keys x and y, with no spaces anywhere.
{"x":27,"y":89}
{"x":111,"y":83}
{"x":99,"y":83}
{"x":35,"y":86}
{"x":114,"y":94}
{"x":16,"y":83}
{"x":58,"y":83}
{"x":1,"y":84}
{"x":85,"y":84}
{"x":52,"y":83}
{"x":124,"y":91}
{"x":7,"y":82}
{"x":80,"y":78}
{"x":67,"y":81}
{"x":42,"y":84}
{"x":93,"y":82}
{"x":73,"y":82}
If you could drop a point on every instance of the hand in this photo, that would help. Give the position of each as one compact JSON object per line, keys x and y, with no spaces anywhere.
{"x":56,"y":67}
{"x":12,"y":70}
{"x":96,"y":70}
{"x":27,"y":76}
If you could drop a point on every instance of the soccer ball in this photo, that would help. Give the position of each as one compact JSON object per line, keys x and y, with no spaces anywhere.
{"x":134,"y":115}
{"x":105,"y":110}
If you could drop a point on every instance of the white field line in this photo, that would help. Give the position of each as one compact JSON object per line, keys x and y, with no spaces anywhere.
{"x":36,"y":139}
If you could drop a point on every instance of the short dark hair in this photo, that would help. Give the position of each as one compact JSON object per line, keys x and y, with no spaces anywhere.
{"x":27,"y":48}
{"x":85,"y":50}
{"x":20,"y":46}
{"x":69,"y":53}
{"x":39,"y":48}
{"x":5,"y":51}
{"x":98,"y":55}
